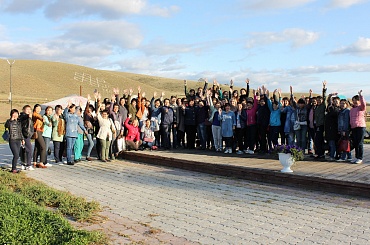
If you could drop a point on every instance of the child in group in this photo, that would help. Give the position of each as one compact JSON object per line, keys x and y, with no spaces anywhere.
{"x":228,"y":123}
{"x":344,"y":127}
{"x":148,"y":135}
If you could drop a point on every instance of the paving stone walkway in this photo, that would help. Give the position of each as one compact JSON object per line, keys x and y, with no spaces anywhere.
{"x":208,"y":209}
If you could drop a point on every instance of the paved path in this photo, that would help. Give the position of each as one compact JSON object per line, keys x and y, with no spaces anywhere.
{"x":214,"y":210}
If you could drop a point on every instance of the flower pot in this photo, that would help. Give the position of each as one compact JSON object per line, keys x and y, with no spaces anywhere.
{"x":287,"y":161}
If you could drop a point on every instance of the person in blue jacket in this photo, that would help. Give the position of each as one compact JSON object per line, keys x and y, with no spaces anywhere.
{"x":275,"y":122}
{"x":228,"y":123}
{"x":72,"y":122}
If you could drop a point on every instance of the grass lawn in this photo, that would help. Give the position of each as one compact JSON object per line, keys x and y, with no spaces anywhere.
{"x":24,"y":218}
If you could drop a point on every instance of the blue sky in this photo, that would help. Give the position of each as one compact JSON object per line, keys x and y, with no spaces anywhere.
{"x":277,"y":43}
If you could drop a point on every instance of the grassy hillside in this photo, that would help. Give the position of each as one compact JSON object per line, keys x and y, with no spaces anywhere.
{"x":35,"y":81}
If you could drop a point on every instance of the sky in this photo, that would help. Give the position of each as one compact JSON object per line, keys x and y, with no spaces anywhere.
{"x":276,"y":43}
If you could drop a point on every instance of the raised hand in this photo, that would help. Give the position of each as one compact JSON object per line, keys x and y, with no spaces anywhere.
{"x":291,"y":89}
{"x":310,"y":91}
{"x":143,"y":94}
{"x":155,"y":94}
{"x":131,"y":91}
{"x":324,"y":84}
{"x":214,"y":82}
{"x":205,"y":80}
{"x":360,"y":92}
{"x":275,"y":91}
{"x":129,"y":115}
{"x":125,"y":92}
{"x":231,"y":82}
{"x":139,"y":89}
{"x":279,"y":92}
{"x":113,"y":98}
{"x":162,"y":94}
{"x":185,"y":82}
{"x":247,"y":81}
{"x":88,"y":98}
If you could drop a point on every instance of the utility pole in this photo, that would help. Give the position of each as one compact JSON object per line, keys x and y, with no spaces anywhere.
{"x":10,"y":94}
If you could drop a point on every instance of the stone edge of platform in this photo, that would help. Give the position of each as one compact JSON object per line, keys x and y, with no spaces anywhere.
{"x":256,"y":174}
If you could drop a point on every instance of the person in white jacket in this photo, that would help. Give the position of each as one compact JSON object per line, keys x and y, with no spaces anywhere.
{"x":105,"y":134}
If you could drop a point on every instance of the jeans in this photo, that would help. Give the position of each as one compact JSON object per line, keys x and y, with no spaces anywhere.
{"x":166,"y":136}
{"x":78,"y":146}
{"x":201,"y":129}
{"x":40,"y":148}
{"x":58,"y":150}
{"x":90,"y":144}
{"x":332,"y":148}
{"x":47,"y":144}
{"x":217,"y":138}
{"x":344,"y":154}
{"x":70,"y":144}
{"x":358,"y":142}
{"x":302,"y":137}
{"x":146,"y":144}
{"x":290,"y":138}
{"x":15,"y":146}
{"x":28,"y":145}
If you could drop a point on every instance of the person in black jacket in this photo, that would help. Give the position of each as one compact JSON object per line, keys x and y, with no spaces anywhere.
{"x":189,"y":112}
{"x":27,"y":131}
{"x":15,"y":137}
{"x":263,"y":120}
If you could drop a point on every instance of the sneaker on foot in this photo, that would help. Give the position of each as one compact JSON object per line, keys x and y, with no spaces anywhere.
{"x":48,"y":165}
{"x":250,"y":152}
{"x":341,"y":160}
{"x":246,"y":151}
{"x":358,"y":161}
{"x":23,"y":167}
{"x":353,"y":160}
{"x":239,"y":152}
{"x":88,"y":159}
{"x":30,"y":168}
{"x":70,"y":163}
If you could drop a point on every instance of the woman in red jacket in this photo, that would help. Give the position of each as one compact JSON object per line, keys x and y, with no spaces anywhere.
{"x":133,"y":133}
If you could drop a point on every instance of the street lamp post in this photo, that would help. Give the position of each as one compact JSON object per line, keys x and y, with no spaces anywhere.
{"x":10,"y":94}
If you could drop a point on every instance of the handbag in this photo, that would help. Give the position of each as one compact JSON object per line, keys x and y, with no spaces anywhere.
{"x":6,"y":135}
{"x":35,"y":136}
{"x":344,"y":145}
{"x":23,"y":154}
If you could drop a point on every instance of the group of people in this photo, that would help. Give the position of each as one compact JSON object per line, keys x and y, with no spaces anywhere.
{"x":241,"y":121}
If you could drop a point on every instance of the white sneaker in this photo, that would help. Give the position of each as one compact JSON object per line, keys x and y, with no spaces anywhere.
{"x":250,"y":152}
{"x":246,"y":151}
{"x":239,"y":152}
{"x":354,"y":160}
{"x":48,"y":165}
{"x":358,"y":161}
{"x":226,"y":151}
{"x":30,"y":168}
{"x":23,"y":167}
{"x":341,"y":160}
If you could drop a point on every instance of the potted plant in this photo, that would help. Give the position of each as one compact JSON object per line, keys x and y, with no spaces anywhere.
{"x":288,"y":155}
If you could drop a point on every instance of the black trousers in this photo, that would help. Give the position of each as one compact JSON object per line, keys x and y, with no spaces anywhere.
{"x":190,"y":131}
{"x":40,"y":148}
{"x":15,"y":147}
{"x":319,"y":140}
{"x":59,"y":148}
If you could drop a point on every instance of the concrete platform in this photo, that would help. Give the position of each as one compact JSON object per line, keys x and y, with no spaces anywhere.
{"x":335,"y":177}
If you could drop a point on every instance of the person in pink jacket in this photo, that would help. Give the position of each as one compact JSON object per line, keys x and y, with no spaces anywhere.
{"x":133,"y":133}
{"x":358,"y":126}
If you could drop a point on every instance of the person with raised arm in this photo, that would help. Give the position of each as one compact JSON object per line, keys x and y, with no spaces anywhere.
{"x":358,"y":126}
{"x":72,"y":122}
{"x":105,"y":134}
{"x":289,"y":111}
{"x":319,"y":122}
{"x":275,"y":123}
{"x":89,"y":122}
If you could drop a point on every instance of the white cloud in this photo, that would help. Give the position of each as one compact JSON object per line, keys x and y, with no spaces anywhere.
{"x":295,"y":36}
{"x":274,"y":4}
{"x":115,"y":33}
{"x":309,"y":70}
{"x":345,"y":3}
{"x":109,"y":9}
{"x":360,"y":48}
